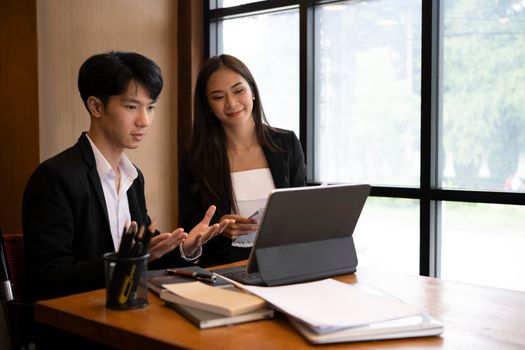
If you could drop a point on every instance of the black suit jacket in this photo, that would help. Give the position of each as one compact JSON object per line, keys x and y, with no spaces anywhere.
{"x":288,"y":170}
{"x":66,"y":225}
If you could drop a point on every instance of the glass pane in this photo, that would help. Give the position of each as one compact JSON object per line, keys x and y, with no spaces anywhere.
{"x":230,"y":3}
{"x":367,"y":92}
{"x":269,"y":45}
{"x":483,"y":98}
{"x":483,"y":244}
{"x":387,"y":235}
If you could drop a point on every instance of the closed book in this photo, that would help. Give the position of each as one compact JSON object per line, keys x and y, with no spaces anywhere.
{"x":205,"y":319}
{"x":217,"y":300}
{"x":156,"y":278}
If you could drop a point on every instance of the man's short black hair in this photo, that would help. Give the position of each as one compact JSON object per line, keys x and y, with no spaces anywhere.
{"x":109,"y":74}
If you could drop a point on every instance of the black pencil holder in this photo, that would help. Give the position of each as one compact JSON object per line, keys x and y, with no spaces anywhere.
{"x":126,"y":286}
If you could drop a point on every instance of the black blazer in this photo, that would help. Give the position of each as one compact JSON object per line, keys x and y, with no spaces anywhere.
{"x":66,"y":225}
{"x":288,"y":170}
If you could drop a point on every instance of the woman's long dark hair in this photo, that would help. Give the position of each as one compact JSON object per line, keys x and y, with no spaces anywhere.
{"x":207,"y":154}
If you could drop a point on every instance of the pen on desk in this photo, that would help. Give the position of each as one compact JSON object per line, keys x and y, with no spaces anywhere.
{"x":208,"y":277}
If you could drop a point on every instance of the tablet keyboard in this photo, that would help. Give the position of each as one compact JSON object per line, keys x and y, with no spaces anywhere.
{"x":239,"y":274}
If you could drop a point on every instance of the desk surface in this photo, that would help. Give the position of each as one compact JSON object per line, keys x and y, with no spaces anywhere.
{"x":475,"y":317}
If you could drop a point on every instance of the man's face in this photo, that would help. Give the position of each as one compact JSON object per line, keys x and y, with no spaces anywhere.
{"x":126,"y":117}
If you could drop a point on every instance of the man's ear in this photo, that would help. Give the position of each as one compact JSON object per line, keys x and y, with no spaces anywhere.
{"x":95,"y":105}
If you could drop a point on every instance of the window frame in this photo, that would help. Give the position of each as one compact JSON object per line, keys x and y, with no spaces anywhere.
{"x":429,"y":194}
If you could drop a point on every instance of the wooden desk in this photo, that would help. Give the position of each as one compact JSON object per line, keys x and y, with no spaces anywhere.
{"x":474,"y":317}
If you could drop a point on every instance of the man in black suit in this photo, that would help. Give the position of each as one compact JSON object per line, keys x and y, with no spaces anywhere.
{"x":77,"y":204}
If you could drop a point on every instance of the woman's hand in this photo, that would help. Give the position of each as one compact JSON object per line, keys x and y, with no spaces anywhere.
{"x":203,"y":232}
{"x":241,"y":226}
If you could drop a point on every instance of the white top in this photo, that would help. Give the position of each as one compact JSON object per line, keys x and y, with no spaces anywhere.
{"x":251,"y":189}
{"x":117,"y":203}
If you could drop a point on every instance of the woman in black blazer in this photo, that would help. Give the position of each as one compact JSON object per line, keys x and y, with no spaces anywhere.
{"x":231,"y":135}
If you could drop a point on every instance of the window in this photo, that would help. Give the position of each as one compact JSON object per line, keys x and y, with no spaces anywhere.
{"x":245,"y":38}
{"x":387,"y":234}
{"x":480,"y":241}
{"x":483,"y":100}
{"x":230,"y":3}
{"x":367,"y":92}
{"x":409,"y":96}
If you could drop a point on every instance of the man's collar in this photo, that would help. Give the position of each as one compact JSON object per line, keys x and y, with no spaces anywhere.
{"x":103,"y":167}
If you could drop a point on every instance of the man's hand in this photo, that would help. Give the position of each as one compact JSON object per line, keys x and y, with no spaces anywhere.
{"x":203,"y":232}
{"x":241,"y":226}
{"x":165,"y":243}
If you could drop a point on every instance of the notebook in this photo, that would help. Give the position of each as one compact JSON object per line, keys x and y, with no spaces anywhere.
{"x":205,"y":319}
{"x":221,"y":301}
{"x":305,"y":234}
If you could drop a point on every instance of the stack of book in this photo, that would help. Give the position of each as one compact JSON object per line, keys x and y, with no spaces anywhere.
{"x":206,"y":306}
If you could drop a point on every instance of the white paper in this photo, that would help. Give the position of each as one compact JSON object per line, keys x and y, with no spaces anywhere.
{"x":247,"y":240}
{"x":329,"y":305}
{"x":251,"y":188}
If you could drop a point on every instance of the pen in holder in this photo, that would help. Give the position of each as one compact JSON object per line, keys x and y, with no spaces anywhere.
{"x":126,"y":281}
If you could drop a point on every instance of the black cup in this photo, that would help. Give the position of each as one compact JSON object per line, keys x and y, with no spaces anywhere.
{"x":126,"y":286}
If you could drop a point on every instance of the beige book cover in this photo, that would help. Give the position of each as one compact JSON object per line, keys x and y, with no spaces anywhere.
{"x":218,"y":300}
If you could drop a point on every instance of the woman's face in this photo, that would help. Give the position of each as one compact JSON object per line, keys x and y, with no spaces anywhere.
{"x":230,"y":98}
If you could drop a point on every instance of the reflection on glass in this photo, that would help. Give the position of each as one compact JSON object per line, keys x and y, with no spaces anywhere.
{"x":387,"y":235}
{"x":367,"y":92}
{"x":483,"y":244}
{"x":269,"y":45}
{"x":483,"y":98}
